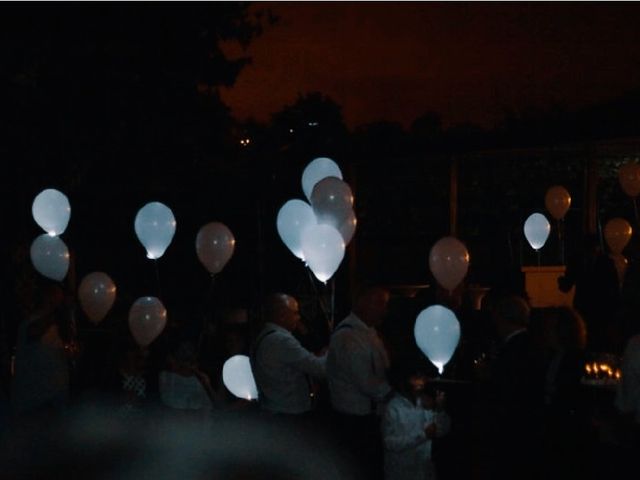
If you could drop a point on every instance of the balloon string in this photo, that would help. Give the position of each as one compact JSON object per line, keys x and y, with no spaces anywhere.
{"x":333,"y":304}
{"x":323,"y":307}
{"x":157,"y":269}
{"x":206,"y":310}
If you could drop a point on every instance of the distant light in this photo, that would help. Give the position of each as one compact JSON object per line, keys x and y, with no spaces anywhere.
{"x":245,"y":142}
{"x":313,"y":124}
{"x":291,"y":130}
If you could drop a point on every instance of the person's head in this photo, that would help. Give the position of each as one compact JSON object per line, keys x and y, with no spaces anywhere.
{"x":564,"y":329}
{"x":407,"y":380}
{"x":185,"y":356}
{"x":371,"y":305}
{"x":283,"y":310}
{"x":510,"y":313}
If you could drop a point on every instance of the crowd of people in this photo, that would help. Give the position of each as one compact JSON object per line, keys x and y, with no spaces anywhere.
{"x":380,"y":407}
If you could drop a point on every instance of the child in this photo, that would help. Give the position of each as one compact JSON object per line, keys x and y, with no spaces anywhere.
{"x":412,"y":419}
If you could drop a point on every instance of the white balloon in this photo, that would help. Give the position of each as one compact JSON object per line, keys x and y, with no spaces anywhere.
{"x":293,"y":218}
{"x":536,"y":230}
{"x":238,"y":377}
{"x":51,"y":211}
{"x":50,"y":257}
{"x":323,"y":249}
{"x":332,"y":201}
{"x":147,"y":319}
{"x":155,"y":226}
{"x":96,"y":293}
{"x":348,"y":227}
{"x":437,"y":333}
{"x":315,"y":171}
{"x":214,"y":246}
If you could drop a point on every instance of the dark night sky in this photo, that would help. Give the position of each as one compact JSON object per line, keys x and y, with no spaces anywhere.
{"x":468,"y":61}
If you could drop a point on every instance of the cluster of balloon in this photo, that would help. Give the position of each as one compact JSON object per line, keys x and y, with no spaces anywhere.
{"x":147,"y":319}
{"x":49,"y":254}
{"x":238,"y":377}
{"x":437,"y":333}
{"x":96,"y":294}
{"x":214,"y":246}
{"x":318,"y":232}
{"x":155,"y":226}
{"x":536,"y":230}
{"x":449,"y":262}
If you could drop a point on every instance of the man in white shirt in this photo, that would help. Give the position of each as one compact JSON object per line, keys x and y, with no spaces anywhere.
{"x":356,"y":372}
{"x":281,"y":365}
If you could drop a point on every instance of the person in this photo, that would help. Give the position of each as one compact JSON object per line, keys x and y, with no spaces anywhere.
{"x":42,"y":372}
{"x":515,"y":393}
{"x":411,"y":420}
{"x":565,"y":414}
{"x":597,"y":293}
{"x":356,"y":372}
{"x":183,"y":386}
{"x":281,"y":365}
{"x":627,"y":399}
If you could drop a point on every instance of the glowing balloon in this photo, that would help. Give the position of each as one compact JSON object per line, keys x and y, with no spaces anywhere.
{"x":449,"y":262}
{"x":238,"y":377}
{"x":536,"y":230}
{"x":214,"y":246}
{"x":96,"y":293}
{"x":50,"y":257}
{"x":629,"y":176}
{"x":348,"y":227}
{"x":332,"y":201}
{"x":293,"y":218}
{"x":147,"y":319}
{"x":437,"y":333}
{"x":323,"y":249}
{"x":51,"y":211}
{"x":617,"y":233}
{"x":155,"y":226}
{"x":317,"y":170}
{"x":557,"y":200}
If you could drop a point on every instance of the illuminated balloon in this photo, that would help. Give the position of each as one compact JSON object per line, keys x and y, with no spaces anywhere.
{"x":323,"y":249}
{"x":293,"y":218}
{"x":96,"y":293}
{"x":437,"y":333}
{"x":629,"y":176}
{"x":147,"y":319}
{"x":155,"y":226}
{"x":332,"y":201}
{"x":348,"y":227}
{"x":617,"y":233}
{"x":449,"y":262}
{"x":51,"y":211}
{"x":50,"y":257}
{"x":214,"y":246}
{"x":536,"y":230}
{"x":238,"y":377}
{"x":317,"y":170}
{"x":557,"y":200}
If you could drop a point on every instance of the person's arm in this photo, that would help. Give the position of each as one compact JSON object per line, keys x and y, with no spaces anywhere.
{"x":292,"y":353}
{"x":395,"y":436}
